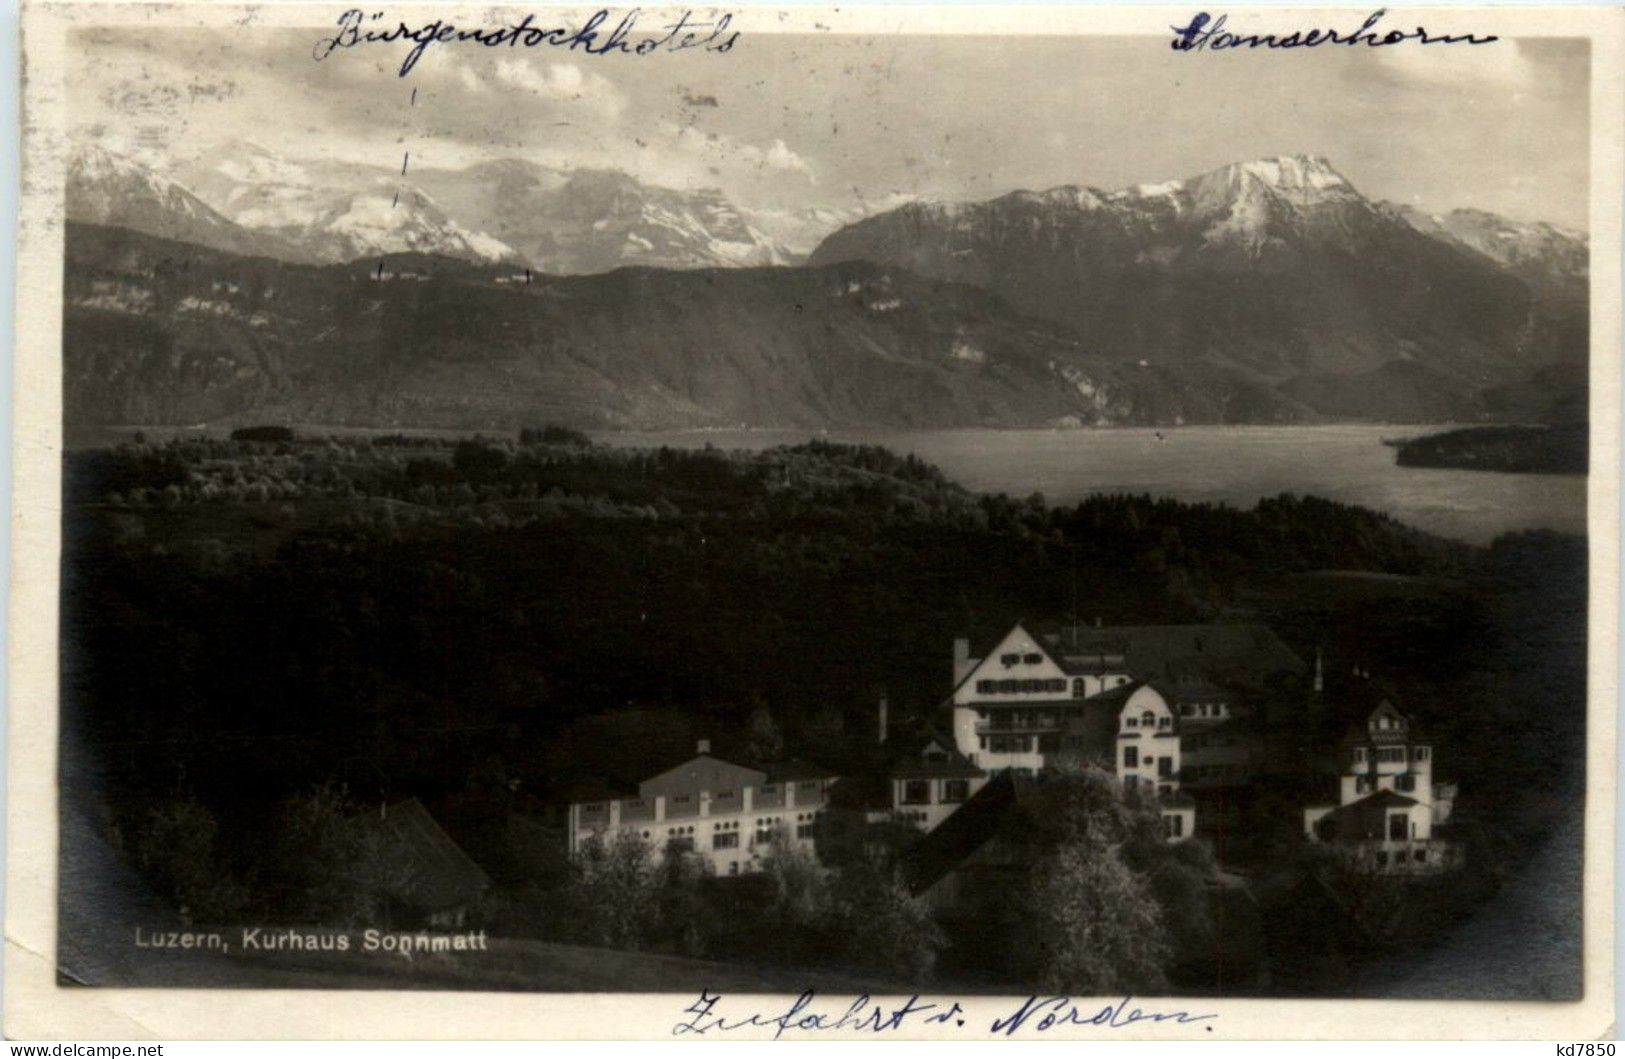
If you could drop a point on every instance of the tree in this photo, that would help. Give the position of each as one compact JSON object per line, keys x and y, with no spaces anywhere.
{"x":1095,"y":927}
{"x":328,"y":864}
{"x":613,"y":891}
{"x":174,"y":844}
{"x":684,"y":920}
{"x":880,"y":926}
{"x":765,"y":743}
{"x":1107,"y":896}
{"x":800,"y":888}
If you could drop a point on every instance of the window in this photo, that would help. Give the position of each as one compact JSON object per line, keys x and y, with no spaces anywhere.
{"x":1131,"y":757}
{"x":1362,"y":784}
{"x":1396,"y":827}
{"x":1359,"y":755}
{"x":1165,"y":722}
{"x":1173,"y":826}
{"x":1080,"y":689}
{"x":1165,"y":767}
{"x":806,"y":830}
{"x":917,"y":792}
{"x":1009,"y":660}
{"x":685,"y":844}
{"x":727,"y":840}
{"x":955,"y":790}
{"x":1421,"y":753}
{"x":1057,"y":684}
{"x":986,"y":687}
{"x":1033,"y":659}
{"x":1148,"y":719}
{"x":1391,"y":753}
{"x":1121,"y":681}
{"x":1131,"y":722}
{"x":733,"y":867}
{"x":1405,"y":782}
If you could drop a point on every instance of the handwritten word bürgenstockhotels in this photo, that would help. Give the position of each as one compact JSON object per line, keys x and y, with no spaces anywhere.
{"x":1035,"y":1014}
{"x":1206,"y":32}
{"x":357,"y":28}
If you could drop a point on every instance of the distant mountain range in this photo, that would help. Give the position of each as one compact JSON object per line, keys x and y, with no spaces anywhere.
{"x":1293,"y":293}
{"x":322,"y":211}
{"x":244,"y":285}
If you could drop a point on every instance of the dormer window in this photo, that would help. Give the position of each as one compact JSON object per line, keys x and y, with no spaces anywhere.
{"x":1148,"y":719}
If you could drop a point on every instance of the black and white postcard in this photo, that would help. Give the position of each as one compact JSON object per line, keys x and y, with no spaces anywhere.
{"x":918,"y":522}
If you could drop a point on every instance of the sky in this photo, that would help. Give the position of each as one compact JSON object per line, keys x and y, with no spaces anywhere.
{"x":791,"y":122}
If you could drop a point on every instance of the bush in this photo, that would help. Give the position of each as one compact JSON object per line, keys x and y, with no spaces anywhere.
{"x":174,"y":845}
{"x":553,"y":435}
{"x":263,"y":433}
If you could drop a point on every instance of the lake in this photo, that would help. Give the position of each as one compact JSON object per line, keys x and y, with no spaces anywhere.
{"x":1228,"y":464}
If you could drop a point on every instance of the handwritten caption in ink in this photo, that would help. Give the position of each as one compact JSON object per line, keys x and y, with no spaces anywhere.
{"x":863,"y":1015}
{"x":357,"y":28}
{"x":1204,"y":32}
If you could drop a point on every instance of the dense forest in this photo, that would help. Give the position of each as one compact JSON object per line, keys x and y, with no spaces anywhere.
{"x":484,"y":623}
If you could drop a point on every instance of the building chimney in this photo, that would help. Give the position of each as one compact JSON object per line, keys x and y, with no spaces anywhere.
{"x":882,"y":711}
{"x":961,"y":658}
{"x":703,"y":746}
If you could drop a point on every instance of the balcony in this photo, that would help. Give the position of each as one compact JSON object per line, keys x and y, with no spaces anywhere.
{"x":1022,"y":722}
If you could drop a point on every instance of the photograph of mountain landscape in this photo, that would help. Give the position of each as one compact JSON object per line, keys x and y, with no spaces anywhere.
{"x":991,"y":514}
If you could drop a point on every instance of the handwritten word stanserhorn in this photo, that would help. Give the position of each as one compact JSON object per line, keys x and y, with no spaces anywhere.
{"x":1204,"y":32}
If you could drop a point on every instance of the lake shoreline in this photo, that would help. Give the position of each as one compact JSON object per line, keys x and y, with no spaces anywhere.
{"x":1236,"y":466}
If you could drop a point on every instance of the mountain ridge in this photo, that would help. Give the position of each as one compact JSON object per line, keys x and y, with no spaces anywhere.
{"x":1276,"y":273}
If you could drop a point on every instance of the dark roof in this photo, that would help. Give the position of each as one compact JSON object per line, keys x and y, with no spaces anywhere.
{"x":971,"y":826}
{"x":1363,"y":819}
{"x":1195,"y":689}
{"x":435,"y":873}
{"x":793,"y":770}
{"x":910,"y":762}
{"x":1174,"y":652}
{"x":919,"y":768}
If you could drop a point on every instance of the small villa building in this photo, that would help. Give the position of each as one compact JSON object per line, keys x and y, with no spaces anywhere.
{"x":1389,"y":804}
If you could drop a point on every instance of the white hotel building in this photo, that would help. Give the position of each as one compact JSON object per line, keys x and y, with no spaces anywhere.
{"x":725,"y":813}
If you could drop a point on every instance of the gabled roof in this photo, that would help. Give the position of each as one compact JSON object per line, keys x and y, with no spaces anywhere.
{"x":794,"y":770}
{"x":911,"y":762}
{"x":1153,"y":651}
{"x":435,"y":873}
{"x":700,"y":772}
{"x":1365,"y":818}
